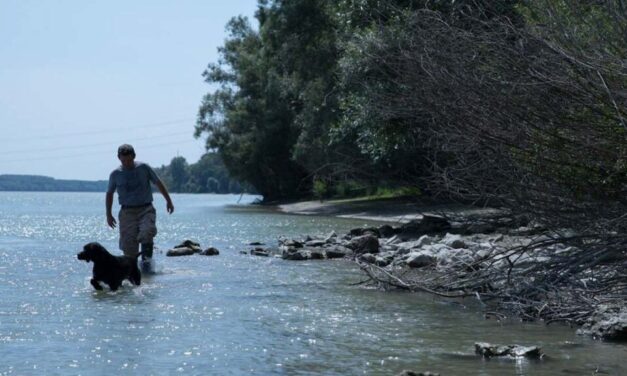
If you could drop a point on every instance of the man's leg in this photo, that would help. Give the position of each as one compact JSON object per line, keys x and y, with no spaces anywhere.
{"x":147,"y":232}
{"x":147,"y":249}
{"x":129,"y":229}
{"x":147,"y":265}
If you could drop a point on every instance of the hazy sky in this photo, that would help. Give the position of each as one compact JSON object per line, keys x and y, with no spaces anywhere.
{"x":78,"y":78}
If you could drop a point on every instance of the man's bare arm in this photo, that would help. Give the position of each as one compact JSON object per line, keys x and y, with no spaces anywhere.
{"x":109,"y":206}
{"x":166,"y":195}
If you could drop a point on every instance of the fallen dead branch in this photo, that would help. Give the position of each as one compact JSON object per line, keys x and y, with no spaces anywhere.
{"x":532,"y":282}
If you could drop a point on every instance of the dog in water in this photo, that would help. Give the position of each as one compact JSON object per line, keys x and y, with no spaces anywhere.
{"x":108,"y":268}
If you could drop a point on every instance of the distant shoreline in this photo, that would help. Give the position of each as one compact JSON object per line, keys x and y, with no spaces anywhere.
{"x":38,"y":183}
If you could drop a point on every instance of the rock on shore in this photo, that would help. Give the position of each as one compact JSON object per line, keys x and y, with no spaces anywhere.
{"x":608,"y":323}
{"x":417,"y":244}
{"x":432,"y":243}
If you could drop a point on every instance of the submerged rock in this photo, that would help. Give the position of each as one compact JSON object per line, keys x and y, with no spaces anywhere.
{"x":412,"y":373}
{"x":259,"y":252}
{"x":186,"y":248}
{"x":488,"y":350}
{"x":180,"y":251}
{"x":189,"y":244}
{"x":211,"y":251}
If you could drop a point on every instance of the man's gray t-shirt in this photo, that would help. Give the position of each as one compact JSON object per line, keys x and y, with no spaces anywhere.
{"x":133,"y":185}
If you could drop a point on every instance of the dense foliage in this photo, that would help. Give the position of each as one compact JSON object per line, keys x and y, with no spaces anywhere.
{"x":208,"y":175}
{"x":519,"y":104}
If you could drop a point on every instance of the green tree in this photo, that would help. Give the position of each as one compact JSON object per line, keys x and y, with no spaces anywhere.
{"x":178,"y":173}
{"x":248,"y":119}
{"x":213,"y":185}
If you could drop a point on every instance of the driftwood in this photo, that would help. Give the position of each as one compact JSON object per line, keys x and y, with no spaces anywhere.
{"x":565,"y":285}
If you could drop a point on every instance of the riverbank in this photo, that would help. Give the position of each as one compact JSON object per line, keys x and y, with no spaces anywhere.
{"x":393,"y":210}
{"x":513,"y":266}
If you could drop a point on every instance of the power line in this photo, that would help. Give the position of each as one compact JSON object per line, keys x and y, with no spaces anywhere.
{"x":39,"y":150}
{"x":110,"y":130}
{"x":90,"y":153}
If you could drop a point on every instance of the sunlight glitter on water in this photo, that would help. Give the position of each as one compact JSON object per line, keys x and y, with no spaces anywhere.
{"x":232,"y":313}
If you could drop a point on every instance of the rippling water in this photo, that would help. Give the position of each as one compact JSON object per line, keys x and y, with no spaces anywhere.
{"x":234,"y":314}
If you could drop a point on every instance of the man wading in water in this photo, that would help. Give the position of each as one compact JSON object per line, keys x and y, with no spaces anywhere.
{"x":137,"y":216}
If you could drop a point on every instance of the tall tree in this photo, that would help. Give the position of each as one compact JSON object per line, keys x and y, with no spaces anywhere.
{"x":248,"y":119}
{"x":178,"y":173}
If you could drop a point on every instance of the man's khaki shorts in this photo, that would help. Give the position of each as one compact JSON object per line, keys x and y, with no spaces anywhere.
{"x":137,"y":226}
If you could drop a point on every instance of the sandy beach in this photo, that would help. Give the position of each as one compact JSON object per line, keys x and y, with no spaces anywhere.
{"x":392,"y":210}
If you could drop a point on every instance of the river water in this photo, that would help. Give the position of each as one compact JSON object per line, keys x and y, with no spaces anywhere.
{"x":235,"y":314}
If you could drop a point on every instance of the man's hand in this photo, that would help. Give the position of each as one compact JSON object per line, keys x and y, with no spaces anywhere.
{"x":111,"y":221}
{"x":166,"y":195}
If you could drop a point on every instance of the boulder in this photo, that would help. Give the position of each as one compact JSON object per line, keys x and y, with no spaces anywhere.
{"x":420,"y":259}
{"x":428,"y":224}
{"x":453,"y":241}
{"x":480,"y":228}
{"x":437,"y":248}
{"x":180,"y":251}
{"x":383,"y":261}
{"x":368,"y":258}
{"x":284,"y":248}
{"x":386,"y":231}
{"x":337,"y":251}
{"x":533,"y":352}
{"x":421,"y":242}
{"x":364,"y":244}
{"x":315,"y":243}
{"x":450,"y":255}
{"x":211,"y":251}
{"x":404,"y":251}
{"x":393,"y":240}
{"x":256,"y":243}
{"x":364,"y":231}
{"x":331,"y":237}
{"x":299,"y":255}
{"x":608,"y":323}
{"x":291,"y":243}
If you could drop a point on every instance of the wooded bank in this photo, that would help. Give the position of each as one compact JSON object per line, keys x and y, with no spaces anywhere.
{"x":519,"y":105}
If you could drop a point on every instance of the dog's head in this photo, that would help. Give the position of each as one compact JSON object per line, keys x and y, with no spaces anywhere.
{"x":93,"y":252}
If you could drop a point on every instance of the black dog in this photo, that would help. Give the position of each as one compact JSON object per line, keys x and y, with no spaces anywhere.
{"x":108,"y":268}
